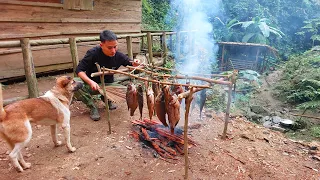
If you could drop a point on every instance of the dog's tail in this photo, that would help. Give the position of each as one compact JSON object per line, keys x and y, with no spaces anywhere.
{"x":2,"y":112}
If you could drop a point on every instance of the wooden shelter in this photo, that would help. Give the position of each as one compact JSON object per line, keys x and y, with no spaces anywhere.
{"x":57,"y":19}
{"x":241,"y":56}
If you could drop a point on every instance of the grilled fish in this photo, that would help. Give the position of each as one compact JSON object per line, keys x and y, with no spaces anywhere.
{"x":173,"y":112}
{"x":172,"y":108}
{"x":140,"y":99}
{"x":131,"y":98}
{"x":161,"y":108}
{"x":150,"y":100}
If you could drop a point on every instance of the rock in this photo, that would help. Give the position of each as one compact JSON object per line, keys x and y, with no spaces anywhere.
{"x":287,"y":123}
{"x":266,"y":118}
{"x":276,"y":119}
{"x":267,"y":124}
{"x":259,"y":110}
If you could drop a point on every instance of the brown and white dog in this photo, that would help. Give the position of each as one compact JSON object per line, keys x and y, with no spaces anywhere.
{"x":50,"y":109}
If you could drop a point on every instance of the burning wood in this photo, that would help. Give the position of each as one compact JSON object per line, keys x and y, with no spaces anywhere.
{"x":155,"y":135}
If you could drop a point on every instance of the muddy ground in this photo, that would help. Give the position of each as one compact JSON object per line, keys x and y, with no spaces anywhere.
{"x":250,"y":152}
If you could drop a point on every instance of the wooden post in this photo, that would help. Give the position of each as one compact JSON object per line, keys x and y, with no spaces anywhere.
{"x":74,"y":54}
{"x":164,"y":47}
{"x":257,"y":59}
{"x":188,"y":101}
{"x":178,"y":45}
{"x":29,"y":68}
{"x":222,"y":59}
{"x":226,"y":119}
{"x":149,"y":40}
{"x":129,"y":47}
{"x":142,"y":43}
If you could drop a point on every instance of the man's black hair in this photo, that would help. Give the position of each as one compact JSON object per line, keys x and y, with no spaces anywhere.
{"x":107,"y":35}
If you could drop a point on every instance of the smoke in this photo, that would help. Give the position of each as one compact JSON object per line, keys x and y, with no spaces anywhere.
{"x":197,"y":52}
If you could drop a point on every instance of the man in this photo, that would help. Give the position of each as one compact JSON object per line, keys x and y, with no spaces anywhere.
{"x":106,"y":55}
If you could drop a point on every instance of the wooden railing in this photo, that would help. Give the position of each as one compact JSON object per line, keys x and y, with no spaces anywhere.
{"x":28,"y":45}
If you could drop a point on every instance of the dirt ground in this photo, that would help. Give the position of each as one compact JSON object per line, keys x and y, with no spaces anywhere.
{"x":250,"y":152}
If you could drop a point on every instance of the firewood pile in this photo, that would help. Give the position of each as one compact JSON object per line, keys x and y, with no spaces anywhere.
{"x":159,"y":138}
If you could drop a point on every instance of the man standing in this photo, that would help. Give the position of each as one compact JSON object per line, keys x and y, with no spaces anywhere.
{"x":106,"y":55}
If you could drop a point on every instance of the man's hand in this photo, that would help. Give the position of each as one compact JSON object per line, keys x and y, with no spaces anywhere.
{"x":94,"y":86}
{"x":136,"y":62}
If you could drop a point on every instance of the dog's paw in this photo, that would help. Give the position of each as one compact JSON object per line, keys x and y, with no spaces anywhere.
{"x":27,"y":166}
{"x":72,"y":149}
{"x":19,"y":169}
{"x":58,"y":143}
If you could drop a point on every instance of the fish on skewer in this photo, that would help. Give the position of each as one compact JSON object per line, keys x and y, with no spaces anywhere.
{"x":140,"y":99}
{"x":131,"y":98}
{"x":150,"y":100}
{"x":160,"y":108}
{"x":172,"y":107}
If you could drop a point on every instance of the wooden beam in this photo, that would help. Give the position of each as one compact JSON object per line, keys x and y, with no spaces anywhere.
{"x":36,"y":35}
{"x":68,"y":20}
{"x":25,"y":3}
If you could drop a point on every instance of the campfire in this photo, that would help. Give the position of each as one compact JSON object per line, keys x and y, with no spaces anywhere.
{"x":158,"y":137}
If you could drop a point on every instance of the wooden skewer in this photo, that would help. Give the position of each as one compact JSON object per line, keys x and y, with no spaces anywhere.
{"x":145,"y":79}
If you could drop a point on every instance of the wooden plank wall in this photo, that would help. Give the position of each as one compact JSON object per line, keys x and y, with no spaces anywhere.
{"x":20,"y":20}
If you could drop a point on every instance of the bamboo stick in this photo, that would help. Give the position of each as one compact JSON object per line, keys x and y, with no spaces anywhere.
{"x":189,"y":99}
{"x":226,"y":121}
{"x":219,"y":81}
{"x":105,"y":96}
{"x":145,"y":79}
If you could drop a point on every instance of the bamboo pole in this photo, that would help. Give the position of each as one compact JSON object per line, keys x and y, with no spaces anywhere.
{"x":74,"y":54}
{"x":105,"y":96}
{"x":129,"y":46}
{"x":226,"y":119}
{"x":166,"y":75}
{"x":149,"y":41}
{"x":186,"y":117}
{"x":219,"y":81}
{"x":29,"y":68}
{"x":145,"y":79}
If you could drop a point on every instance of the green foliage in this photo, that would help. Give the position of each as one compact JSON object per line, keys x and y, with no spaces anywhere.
{"x":216,"y":99}
{"x":154,"y":13}
{"x":169,"y":64}
{"x":300,"y":81}
{"x":315,"y":131}
{"x":311,"y":30}
{"x":257,"y":30}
